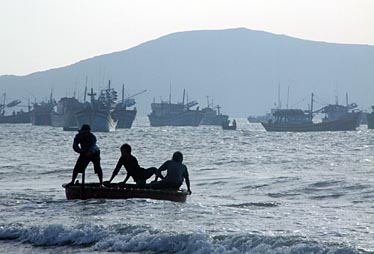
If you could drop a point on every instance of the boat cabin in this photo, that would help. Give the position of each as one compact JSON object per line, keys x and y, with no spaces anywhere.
{"x":291,"y":116}
{"x":335,"y":112}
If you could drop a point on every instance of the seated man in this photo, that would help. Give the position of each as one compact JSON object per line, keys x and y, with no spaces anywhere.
{"x":176,"y":173}
{"x":139,"y":175}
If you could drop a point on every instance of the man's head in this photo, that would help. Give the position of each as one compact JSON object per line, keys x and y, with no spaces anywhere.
{"x":125,"y":149}
{"x":85,"y":128}
{"x":178,"y":157}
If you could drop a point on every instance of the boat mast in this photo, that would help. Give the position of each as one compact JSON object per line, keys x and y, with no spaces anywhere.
{"x":184,"y":92}
{"x":92,"y":95}
{"x":311,"y":107}
{"x":3,"y":106}
{"x":279,"y":100}
{"x":123,"y":94}
{"x":170,"y":92}
{"x":346,"y":99}
{"x":85,"y":91}
{"x":50,"y":96}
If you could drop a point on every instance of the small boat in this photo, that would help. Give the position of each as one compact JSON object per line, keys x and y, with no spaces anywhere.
{"x":121,"y":191}
{"x":227,"y":126}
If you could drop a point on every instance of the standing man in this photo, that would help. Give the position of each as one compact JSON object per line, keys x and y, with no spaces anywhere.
{"x":138,"y":174}
{"x":176,"y":173}
{"x":85,"y":145}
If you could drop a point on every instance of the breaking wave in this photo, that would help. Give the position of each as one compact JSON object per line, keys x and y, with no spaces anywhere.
{"x":127,"y":238}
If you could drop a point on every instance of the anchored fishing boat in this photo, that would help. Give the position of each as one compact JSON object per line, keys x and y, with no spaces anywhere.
{"x":98,"y":113}
{"x":120,"y":191}
{"x":337,"y":118}
{"x":122,"y":113}
{"x":213,"y":115}
{"x":175,"y":114}
{"x":65,"y":114}
{"x":16,"y":116}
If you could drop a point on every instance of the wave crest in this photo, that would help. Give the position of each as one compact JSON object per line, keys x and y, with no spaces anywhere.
{"x":126,"y":238}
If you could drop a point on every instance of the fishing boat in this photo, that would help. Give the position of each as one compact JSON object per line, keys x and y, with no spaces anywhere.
{"x":337,"y":118}
{"x":16,"y":116}
{"x":41,"y":113}
{"x":98,"y":113}
{"x":120,"y":191}
{"x":213,"y":115}
{"x":175,"y":114}
{"x":65,"y":114}
{"x":122,"y":112}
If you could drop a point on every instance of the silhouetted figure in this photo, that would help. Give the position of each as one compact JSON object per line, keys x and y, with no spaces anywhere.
{"x":139,"y":174}
{"x":234,"y":124}
{"x":176,"y":173}
{"x":85,"y":145}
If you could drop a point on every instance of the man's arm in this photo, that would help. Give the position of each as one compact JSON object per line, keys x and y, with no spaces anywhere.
{"x":160,"y":169}
{"x":187,"y":178}
{"x":76,"y":147}
{"x":116,"y":170}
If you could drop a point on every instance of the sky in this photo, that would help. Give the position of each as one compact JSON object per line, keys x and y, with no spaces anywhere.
{"x":37,"y":35}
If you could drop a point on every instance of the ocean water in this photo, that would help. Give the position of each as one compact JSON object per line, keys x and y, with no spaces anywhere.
{"x":252,"y":192}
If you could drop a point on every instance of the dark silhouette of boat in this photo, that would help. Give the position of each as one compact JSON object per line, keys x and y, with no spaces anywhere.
{"x":337,"y":118}
{"x":98,"y":113}
{"x":227,"y":126}
{"x":122,"y":112}
{"x":41,"y":113}
{"x":213,"y":115}
{"x":175,"y":114}
{"x":121,"y":191}
{"x":370,"y":119}
{"x":65,"y":114}
{"x":16,"y":116}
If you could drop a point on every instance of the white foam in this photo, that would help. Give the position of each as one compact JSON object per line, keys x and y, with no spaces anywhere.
{"x":141,"y":239}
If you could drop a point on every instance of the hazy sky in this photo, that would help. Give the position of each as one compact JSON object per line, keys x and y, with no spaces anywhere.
{"x":37,"y":35}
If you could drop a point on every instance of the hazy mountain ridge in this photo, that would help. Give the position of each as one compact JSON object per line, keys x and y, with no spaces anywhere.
{"x":239,"y":68}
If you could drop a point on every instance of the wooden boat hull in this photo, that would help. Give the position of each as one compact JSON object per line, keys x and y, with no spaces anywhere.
{"x":212,"y":118}
{"x":20,"y":117}
{"x":370,"y":119}
{"x":100,"y":121}
{"x":41,"y":118}
{"x":124,"y":117}
{"x":121,"y":191}
{"x":348,"y":123}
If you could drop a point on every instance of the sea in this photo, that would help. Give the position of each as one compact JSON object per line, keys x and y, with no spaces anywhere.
{"x":252,"y":192}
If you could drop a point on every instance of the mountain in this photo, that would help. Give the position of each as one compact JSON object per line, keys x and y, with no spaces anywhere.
{"x":240,"y":69}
